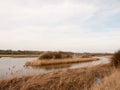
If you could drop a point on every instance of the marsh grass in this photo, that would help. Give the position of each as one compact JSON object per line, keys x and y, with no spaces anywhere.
{"x":116,"y":59}
{"x":78,"y":79}
{"x":111,"y":82}
{"x":44,"y":62}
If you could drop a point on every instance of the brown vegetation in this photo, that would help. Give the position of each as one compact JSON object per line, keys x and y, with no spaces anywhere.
{"x":79,"y":79}
{"x":101,"y":77}
{"x":56,"y":58}
{"x":110,"y":83}
{"x":116,"y":59}
{"x":55,"y":55}
{"x":44,"y":62}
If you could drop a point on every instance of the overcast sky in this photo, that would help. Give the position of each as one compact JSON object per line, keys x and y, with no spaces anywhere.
{"x":69,"y":25}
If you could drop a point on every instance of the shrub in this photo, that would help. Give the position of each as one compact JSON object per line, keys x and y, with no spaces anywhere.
{"x":55,"y":55}
{"x":116,"y":59}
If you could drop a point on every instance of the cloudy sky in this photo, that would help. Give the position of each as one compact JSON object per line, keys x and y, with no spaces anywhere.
{"x":69,"y":25}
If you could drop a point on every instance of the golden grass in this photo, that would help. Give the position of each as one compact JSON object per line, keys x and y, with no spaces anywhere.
{"x":78,"y":79}
{"x":13,"y":84}
{"x":44,"y":62}
{"x":110,"y":83}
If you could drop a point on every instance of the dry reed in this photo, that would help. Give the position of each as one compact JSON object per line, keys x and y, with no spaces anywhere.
{"x":116,"y":59}
{"x":110,"y":83}
{"x":57,"y":62}
{"x":78,"y":79}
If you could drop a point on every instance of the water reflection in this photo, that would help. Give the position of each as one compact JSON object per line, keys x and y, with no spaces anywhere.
{"x":49,"y":67}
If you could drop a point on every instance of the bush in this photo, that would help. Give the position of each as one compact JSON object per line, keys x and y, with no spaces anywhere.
{"x":55,"y":55}
{"x":116,"y":59}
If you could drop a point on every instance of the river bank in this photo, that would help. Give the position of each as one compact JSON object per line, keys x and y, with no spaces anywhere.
{"x":76,"y":79}
{"x":44,"y":62}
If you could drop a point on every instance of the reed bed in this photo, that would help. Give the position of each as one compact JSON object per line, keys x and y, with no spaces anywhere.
{"x":44,"y":62}
{"x":116,"y":60}
{"x":78,"y":79}
{"x":110,"y":83}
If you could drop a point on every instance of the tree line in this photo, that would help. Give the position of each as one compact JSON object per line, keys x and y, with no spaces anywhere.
{"x":18,"y":52}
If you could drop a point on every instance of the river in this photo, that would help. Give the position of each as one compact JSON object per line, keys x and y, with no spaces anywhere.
{"x":11,"y":67}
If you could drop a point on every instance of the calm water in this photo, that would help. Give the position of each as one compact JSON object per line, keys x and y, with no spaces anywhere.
{"x":10,"y":67}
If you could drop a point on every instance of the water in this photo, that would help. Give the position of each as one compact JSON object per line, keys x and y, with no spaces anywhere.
{"x":11,"y":67}
{"x":101,"y":60}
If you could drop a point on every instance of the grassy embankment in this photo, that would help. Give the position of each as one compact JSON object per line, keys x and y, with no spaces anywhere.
{"x":57,"y":62}
{"x":78,"y":79}
{"x":56,"y":58}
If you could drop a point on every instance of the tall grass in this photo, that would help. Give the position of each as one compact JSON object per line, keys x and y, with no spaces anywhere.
{"x":79,"y":79}
{"x":116,"y":59}
{"x":110,"y":83}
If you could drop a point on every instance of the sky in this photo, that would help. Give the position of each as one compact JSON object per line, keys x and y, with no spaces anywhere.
{"x":67,"y":25}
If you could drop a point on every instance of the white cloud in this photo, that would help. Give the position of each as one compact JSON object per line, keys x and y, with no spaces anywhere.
{"x":57,"y":24}
{"x":43,"y":15}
